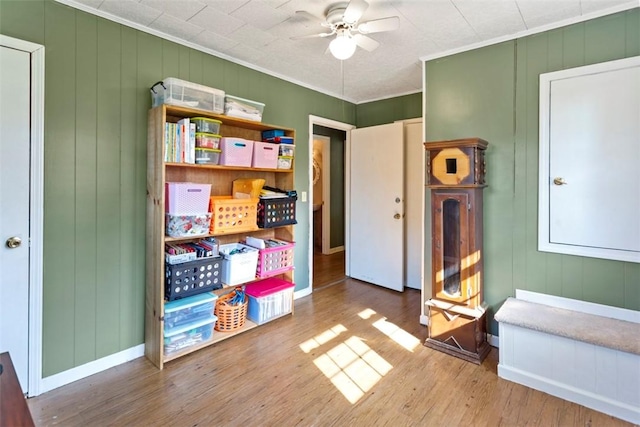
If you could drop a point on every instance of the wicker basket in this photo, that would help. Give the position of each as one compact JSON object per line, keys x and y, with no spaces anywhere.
{"x":230,"y":317}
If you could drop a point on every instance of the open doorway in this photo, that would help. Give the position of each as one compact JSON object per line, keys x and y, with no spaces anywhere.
{"x":328,"y":188}
{"x":328,"y":205}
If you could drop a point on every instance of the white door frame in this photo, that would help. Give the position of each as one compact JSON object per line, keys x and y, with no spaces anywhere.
{"x":333,"y":124}
{"x":36,"y":211}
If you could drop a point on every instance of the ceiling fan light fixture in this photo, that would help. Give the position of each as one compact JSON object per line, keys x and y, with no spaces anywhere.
{"x":343,"y":46}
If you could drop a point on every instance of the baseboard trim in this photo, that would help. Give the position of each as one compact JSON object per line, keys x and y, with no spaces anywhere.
{"x":335,"y":250}
{"x":424,"y":320}
{"x":572,"y":394}
{"x":493,"y":340}
{"x":82,"y":371}
{"x":302,"y":293}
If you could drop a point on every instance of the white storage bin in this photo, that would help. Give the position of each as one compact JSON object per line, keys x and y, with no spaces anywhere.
{"x":238,"y":267}
{"x":285,"y":162}
{"x":286,"y":150}
{"x":186,"y":94}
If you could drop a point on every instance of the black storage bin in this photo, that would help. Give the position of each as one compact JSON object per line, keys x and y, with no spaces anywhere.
{"x":193,"y":277}
{"x":276,"y":212}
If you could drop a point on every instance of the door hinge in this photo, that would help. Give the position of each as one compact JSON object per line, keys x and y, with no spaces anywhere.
{"x":468,"y":206}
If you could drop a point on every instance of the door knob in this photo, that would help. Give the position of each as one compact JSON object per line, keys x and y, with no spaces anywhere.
{"x":397,"y":216}
{"x":13,"y":242}
{"x":559,"y":181}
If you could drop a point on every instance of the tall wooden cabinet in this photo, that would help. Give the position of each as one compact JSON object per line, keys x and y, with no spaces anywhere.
{"x":221,"y":178}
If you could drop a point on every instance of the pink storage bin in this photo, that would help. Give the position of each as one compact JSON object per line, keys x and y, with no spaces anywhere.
{"x":186,"y":198}
{"x":276,"y":260}
{"x":236,"y":151}
{"x":269,"y":299}
{"x":265,"y":155}
{"x":262,"y":288}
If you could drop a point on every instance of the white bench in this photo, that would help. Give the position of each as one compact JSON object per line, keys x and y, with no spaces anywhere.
{"x":579,"y":351}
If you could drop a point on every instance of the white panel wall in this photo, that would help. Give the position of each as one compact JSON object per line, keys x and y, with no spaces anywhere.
{"x":600,"y":378}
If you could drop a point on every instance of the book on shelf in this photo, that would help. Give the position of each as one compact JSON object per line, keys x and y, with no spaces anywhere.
{"x":180,"y":142}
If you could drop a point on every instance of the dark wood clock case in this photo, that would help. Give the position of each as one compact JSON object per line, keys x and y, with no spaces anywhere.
{"x":456,"y":177}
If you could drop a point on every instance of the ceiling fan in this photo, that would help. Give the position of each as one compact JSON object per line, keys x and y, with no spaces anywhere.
{"x":341,"y":20}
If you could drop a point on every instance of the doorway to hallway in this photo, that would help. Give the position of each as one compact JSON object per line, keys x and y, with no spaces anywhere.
{"x":327,"y":241}
{"x":327,"y":269}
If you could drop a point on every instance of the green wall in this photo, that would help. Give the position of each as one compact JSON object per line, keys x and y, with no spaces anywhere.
{"x":97,"y":79}
{"x":492,"y":93}
{"x":389,"y":110}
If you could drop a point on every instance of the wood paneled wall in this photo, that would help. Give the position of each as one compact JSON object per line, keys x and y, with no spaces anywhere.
{"x":97,"y":79}
{"x":492,"y":93}
{"x":389,"y":110}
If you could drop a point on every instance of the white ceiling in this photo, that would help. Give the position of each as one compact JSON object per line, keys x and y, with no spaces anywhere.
{"x":257,"y":33}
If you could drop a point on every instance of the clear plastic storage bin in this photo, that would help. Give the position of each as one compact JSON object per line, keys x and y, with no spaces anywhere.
{"x":186,"y":94}
{"x":243,"y":108}
{"x":206,"y":125}
{"x":185,"y":336}
{"x":286,"y":150}
{"x":285,"y":162}
{"x":269,"y":299}
{"x":207,"y":156}
{"x":187,"y":225}
{"x":207,"y":140}
{"x":188,"y":310}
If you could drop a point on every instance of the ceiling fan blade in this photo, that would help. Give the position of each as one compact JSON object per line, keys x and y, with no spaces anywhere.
{"x":311,"y":36}
{"x":354,"y":11}
{"x":378,"y":25}
{"x":367,"y":43}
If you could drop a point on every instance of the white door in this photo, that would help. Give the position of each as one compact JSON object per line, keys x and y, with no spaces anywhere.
{"x":14,"y":207}
{"x":594,"y":178}
{"x":414,"y":203}
{"x":590,"y":151}
{"x":376,"y":223}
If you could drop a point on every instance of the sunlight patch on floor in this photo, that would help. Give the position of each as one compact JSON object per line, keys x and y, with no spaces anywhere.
{"x":322,"y":338}
{"x":353,"y":367}
{"x":366,"y":313}
{"x":397,"y":334}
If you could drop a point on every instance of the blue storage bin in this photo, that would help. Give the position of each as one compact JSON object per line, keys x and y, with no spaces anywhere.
{"x":271,"y":133}
{"x":188,"y":310}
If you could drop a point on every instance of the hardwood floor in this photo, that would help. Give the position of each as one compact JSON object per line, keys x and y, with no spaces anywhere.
{"x":352,"y":355}
{"x":327,"y":269}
